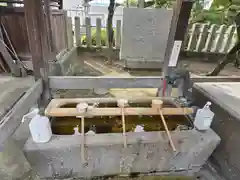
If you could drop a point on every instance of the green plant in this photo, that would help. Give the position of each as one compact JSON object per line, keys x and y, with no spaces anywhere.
{"x":220,"y":12}
{"x":103,"y":36}
{"x":131,"y":3}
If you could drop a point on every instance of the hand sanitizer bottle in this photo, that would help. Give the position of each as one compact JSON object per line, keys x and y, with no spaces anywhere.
{"x":204,"y":117}
{"x":39,"y":126}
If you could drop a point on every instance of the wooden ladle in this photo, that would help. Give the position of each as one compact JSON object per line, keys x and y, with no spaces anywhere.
{"x":157,"y":105}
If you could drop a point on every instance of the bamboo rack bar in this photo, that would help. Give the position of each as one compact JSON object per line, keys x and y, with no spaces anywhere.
{"x":72,"y":112}
{"x":57,"y":103}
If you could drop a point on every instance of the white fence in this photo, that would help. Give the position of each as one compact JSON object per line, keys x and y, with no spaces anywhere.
{"x":210,"y":38}
{"x":97,"y":33}
{"x":199,"y":37}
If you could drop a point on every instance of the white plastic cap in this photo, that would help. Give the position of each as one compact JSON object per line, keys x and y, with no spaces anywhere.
{"x":207,"y":104}
{"x":82,"y":107}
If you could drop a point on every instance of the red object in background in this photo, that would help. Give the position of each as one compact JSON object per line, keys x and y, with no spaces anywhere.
{"x":164,"y":87}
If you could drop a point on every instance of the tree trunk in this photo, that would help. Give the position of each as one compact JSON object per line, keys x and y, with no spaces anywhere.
{"x":110,"y":32}
{"x":127,"y":3}
{"x":227,"y":59}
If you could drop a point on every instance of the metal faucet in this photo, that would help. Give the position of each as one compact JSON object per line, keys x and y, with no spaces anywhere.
{"x":179,"y":78}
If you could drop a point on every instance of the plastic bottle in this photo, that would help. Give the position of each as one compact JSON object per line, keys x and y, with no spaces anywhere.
{"x":204,"y":117}
{"x":40,"y":129}
{"x":39,"y":126}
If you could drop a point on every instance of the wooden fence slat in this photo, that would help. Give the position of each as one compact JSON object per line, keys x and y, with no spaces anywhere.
{"x":51,"y":40}
{"x":231,"y":30}
{"x":98,"y":31}
{"x":227,"y":39}
{"x":192,"y":39}
{"x":20,"y":40}
{"x":59,"y":29}
{"x":210,"y":38}
{"x":198,"y":40}
{"x":66,"y":27}
{"x":77,"y":31}
{"x":219,"y":39}
{"x":88,"y":31}
{"x":186,"y":38}
{"x":233,"y":41}
{"x":15,"y":69}
{"x":202,"y":37}
{"x":69,"y":32}
{"x":118,"y":34}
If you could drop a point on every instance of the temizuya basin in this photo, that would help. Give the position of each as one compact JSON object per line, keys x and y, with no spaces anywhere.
{"x":104,"y":153}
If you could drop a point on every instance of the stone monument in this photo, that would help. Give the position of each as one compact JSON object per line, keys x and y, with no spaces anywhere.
{"x":144,"y":37}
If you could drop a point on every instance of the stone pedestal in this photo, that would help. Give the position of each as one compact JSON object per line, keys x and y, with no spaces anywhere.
{"x":146,"y":152}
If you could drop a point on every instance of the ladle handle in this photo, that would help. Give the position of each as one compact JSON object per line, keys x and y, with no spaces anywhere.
{"x":167,"y":131}
{"x":83,"y":140}
{"x":122,"y":103}
{"x":158,"y":105}
{"x":124,"y":128}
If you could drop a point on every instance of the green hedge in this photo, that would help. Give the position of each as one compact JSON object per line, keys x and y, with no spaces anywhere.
{"x":93,"y":35}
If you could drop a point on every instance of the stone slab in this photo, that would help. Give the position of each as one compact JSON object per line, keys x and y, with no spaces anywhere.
{"x":11,"y":121}
{"x":11,"y":89}
{"x":226,"y":122}
{"x":146,"y":152}
{"x":144,"y":37}
{"x":68,"y":62}
{"x":226,"y":94}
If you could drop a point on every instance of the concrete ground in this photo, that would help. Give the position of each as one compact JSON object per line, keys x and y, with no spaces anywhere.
{"x":195,"y":66}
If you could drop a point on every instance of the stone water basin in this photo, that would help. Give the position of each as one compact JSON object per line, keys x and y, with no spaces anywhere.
{"x":105,"y":154}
